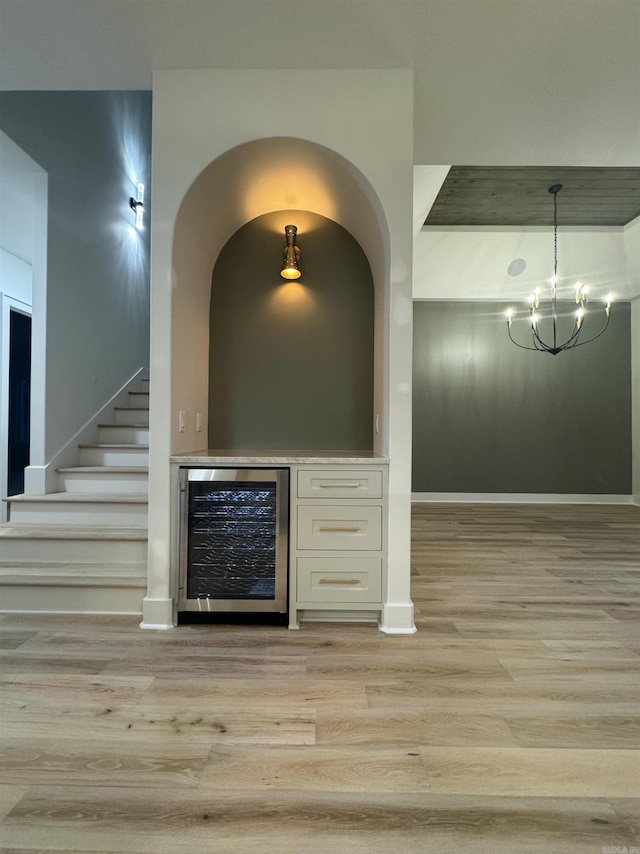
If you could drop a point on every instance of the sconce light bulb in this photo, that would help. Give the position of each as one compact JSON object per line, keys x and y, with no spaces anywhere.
{"x":137,"y":205}
{"x":607,"y":303}
{"x":290,"y":268}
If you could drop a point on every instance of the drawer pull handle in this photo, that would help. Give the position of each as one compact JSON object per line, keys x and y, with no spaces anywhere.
{"x":339,"y":581}
{"x":338,"y":485}
{"x":343,"y":529}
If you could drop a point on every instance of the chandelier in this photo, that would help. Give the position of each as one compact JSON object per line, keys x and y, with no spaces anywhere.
{"x":552,"y":343}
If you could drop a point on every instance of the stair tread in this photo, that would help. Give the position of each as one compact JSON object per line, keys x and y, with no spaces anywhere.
{"x":37,"y":531}
{"x":118,"y":445}
{"x":125,"y":426}
{"x":83,"y":497}
{"x":106,"y":469}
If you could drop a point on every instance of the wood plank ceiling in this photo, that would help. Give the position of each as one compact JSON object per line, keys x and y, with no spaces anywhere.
{"x":519,"y":196}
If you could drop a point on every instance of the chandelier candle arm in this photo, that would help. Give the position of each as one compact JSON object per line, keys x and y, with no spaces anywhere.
{"x":580,"y":295}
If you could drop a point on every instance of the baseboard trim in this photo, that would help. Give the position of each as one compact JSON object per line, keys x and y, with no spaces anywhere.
{"x":519,"y":498}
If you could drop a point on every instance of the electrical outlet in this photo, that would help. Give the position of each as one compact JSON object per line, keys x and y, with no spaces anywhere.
{"x":182,"y":418}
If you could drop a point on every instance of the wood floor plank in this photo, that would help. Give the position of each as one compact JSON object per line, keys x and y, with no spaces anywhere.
{"x":562,"y":731}
{"x":533,"y":772}
{"x":10,"y":794}
{"x":34,"y":761}
{"x":324,"y":769}
{"x":386,"y":727}
{"x":117,"y":820}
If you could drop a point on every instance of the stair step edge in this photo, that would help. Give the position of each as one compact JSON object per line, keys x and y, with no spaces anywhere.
{"x":33,"y":531}
{"x":125,"y":426}
{"x":74,"y":567}
{"x":81,"y":498}
{"x":60,"y":580}
{"x":117,"y":446}
{"x":105,"y":470}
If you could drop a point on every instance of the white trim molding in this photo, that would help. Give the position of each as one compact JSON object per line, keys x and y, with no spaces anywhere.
{"x":157,"y":614}
{"x":397,"y":619}
{"x":519,"y":498}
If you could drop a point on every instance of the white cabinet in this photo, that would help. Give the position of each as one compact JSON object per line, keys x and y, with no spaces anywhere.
{"x":337,"y":542}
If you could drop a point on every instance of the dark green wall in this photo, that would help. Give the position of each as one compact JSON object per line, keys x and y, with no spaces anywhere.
{"x":488,"y":417}
{"x":291,"y":364}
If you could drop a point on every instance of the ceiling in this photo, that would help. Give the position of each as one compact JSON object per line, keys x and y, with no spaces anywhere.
{"x":519,"y":196}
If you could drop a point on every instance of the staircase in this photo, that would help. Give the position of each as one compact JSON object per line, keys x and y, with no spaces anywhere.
{"x":84,"y":549}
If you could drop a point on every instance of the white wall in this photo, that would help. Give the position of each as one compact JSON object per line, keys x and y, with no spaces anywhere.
{"x":496,"y":81}
{"x":471,"y":262}
{"x":23,"y":235}
{"x":364,"y":117}
{"x":635,"y":396}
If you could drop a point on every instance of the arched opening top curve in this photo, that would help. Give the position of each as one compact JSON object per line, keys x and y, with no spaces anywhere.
{"x":278,"y":173}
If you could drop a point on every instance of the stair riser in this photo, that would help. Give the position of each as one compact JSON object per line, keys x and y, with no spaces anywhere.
{"x":129,"y":435}
{"x":74,"y":551}
{"x":113,"y":457}
{"x":137,"y":398}
{"x":72,"y":600}
{"x":116,"y":483}
{"x":132,"y":416}
{"x":69,"y":513}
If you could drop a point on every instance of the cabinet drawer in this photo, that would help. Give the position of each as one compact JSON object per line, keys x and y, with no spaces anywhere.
{"x":331,"y":580}
{"x":329,"y":527}
{"x":340,"y":483}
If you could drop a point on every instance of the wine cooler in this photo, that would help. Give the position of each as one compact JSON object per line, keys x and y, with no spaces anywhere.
{"x":233,"y":543}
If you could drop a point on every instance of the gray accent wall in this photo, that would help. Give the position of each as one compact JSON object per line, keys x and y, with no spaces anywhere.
{"x":94,"y":147}
{"x":291,"y":363}
{"x":491,"y":418}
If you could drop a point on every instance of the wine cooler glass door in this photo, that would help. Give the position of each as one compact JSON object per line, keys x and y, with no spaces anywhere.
{"x":234,"y":538}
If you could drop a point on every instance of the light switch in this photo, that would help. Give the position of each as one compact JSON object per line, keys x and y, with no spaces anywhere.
{"x":198,"y":422}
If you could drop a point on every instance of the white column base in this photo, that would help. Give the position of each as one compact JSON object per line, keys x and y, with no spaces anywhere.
{"x":397,"y":619}
{"x":157,"y":614}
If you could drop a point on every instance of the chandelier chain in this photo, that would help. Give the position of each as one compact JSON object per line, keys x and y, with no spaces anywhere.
{"x":555,"y":234}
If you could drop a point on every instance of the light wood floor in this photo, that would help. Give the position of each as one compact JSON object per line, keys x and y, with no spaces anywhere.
{"x":509,"y":724}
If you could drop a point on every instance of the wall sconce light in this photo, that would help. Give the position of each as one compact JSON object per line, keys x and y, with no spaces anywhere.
{"x":137,"y":205}
{"x":290,"y":268}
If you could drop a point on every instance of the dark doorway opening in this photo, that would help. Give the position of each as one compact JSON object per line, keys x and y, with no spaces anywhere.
{"x":19,"y":399}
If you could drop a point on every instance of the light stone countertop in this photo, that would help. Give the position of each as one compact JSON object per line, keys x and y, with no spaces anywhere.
{"x":280,"y":457}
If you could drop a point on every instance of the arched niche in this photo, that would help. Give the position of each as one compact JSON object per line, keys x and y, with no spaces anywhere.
{"x":291,"y":362}
{"x":250,"y":180}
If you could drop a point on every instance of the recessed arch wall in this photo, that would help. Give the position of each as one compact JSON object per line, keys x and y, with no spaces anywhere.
{"x":291,"y":362}
{"x":248,"y":181}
